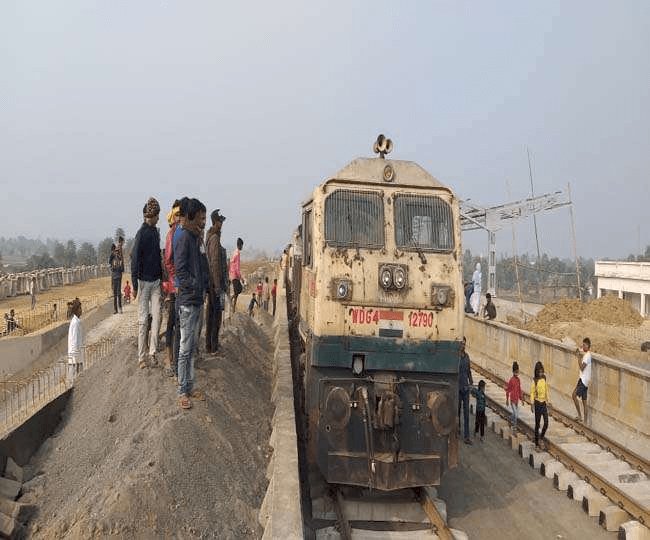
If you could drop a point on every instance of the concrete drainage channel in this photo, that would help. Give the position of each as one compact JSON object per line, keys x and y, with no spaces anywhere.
{"x":281,"y":513}
{"x":15,"y":450}
{"x":25,"y":430}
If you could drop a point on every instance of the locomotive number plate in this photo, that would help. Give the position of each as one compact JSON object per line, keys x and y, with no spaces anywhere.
{"x":420,"y":319}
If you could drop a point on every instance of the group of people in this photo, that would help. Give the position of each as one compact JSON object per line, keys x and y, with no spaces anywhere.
{"x":190,"y":273}
{"x":264,"y":296}
{"x":472,"y":291}
{"x":539,"y":396}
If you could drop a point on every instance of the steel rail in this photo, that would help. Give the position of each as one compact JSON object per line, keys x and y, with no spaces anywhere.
{"x":441,"y":529}
{"x":604,"y":486}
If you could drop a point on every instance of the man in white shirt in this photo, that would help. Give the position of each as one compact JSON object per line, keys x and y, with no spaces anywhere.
{"x":584,"y":363}
{"x":75,"y":342}
{"x":32,"y":291}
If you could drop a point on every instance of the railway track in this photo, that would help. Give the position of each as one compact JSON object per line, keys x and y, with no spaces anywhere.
{"x":351,"y":513}
{"x":610,"y":481}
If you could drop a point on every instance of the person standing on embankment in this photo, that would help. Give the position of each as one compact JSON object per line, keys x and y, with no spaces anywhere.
{"x":116,"y":263}
{"x":218,"y":282}
{"x":146,"y":273}
{"x":192,"y":285}
{"x":75,"y":342}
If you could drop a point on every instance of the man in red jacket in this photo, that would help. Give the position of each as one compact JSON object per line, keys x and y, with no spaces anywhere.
{"x":169,"y":289}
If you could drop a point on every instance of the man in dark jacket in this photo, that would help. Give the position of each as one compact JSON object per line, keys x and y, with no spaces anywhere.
{"x":218,"y":282}
{"x":146,"y":272}
{"x":465,"y":383}
{"x":192,"y":285}
{"x":116,"y":263}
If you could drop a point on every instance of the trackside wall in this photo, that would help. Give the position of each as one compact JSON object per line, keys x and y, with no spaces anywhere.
{"x":281,"y":513}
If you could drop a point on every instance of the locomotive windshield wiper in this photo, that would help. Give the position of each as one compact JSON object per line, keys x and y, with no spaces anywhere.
{"x":419,"y":250}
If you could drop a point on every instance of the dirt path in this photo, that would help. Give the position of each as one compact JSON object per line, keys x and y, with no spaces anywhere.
{"x":127,"y":461}
{"x":495,"y":494}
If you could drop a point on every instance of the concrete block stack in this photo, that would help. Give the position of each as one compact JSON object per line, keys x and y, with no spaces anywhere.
{"x":13,"y":515}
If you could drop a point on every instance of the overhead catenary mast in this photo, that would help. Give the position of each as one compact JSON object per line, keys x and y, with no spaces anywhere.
{"x":492,"y":219}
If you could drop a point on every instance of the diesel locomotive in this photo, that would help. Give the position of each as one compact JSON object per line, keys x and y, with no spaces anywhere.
{"x":377,"y":293}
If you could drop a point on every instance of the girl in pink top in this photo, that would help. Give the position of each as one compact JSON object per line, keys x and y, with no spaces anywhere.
{"x":513,"y":395}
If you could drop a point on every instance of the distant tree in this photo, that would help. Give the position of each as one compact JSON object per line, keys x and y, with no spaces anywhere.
{"x":70,"y":253}
{"x":119,"y":232}
{"x":58,"y":253}
{"x":104,"y":250}
{"x":128,"y":247}
{"x":87,"y":254}
{"x":38,"y":262}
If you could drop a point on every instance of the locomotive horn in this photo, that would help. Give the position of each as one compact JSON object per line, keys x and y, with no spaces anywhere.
{"x":382,"y":146}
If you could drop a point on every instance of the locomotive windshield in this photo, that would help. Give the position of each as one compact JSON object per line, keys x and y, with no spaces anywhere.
{"x":354,"y":219}
{"x":423,"y":222}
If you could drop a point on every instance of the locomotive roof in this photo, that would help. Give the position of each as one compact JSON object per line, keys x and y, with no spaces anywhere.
{"x":371,"y":171}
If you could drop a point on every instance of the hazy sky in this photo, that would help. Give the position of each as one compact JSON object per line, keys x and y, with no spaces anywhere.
{"x":248,"y":105}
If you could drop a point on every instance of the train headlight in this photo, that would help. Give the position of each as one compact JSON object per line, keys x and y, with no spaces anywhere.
{"x":342,"y":289}
{"x":386,"y":277}
{"x":357,"y":364}
{"x":441,"y":295}
{"x":399,"y":277}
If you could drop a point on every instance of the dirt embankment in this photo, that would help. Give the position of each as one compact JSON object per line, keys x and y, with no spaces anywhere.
{"x":615,"y":328}
{"x":127,"y":461}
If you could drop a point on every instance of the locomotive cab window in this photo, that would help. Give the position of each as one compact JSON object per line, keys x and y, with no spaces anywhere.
{"x":423,"y":222}
{"x":354,"y":219}
{"x":306,"y":238}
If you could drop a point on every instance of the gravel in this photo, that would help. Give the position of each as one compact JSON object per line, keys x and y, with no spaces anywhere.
{"x":127,"y":461}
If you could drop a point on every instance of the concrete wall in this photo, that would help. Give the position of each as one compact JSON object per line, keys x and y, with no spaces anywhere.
{"x":21,"y":353}
{"x":281,"y":511}
{"x":619,"y":394}
{"x":16,"y":284}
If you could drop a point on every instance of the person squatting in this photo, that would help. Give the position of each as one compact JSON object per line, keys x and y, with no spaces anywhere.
{"x":189,"y":272}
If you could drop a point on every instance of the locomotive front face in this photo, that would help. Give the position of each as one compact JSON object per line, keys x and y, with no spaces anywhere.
{"x":382,"y":300}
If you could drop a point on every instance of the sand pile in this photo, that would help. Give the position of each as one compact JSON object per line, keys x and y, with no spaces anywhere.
{"x":127,"y":461}
{"x":613,"y":310}
{"x":607,"y":310}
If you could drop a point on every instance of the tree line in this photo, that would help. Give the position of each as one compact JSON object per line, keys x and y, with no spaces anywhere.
{"x":53,"y":253}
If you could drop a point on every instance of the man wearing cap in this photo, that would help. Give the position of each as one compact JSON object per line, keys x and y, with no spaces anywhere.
{"x":146,"y":273}
{"x":217,"y":262}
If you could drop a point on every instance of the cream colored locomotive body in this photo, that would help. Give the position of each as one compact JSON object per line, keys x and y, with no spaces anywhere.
{"x":369,"y":306}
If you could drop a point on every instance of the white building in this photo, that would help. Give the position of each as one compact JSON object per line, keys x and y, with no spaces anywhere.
{"x":629,"y":280}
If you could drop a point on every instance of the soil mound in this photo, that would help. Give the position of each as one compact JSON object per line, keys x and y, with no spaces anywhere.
{"x":613,"y":310}
{"x":127,"y":461}
{"x":607,"y":310}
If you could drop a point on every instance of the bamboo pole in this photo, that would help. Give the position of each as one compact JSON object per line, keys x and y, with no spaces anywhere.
{"x":573,"y":237}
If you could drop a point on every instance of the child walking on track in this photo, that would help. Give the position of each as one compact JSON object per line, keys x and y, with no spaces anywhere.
{"x":539,"y":399}
{"x":513,"y":395}
{"x":481,"y":419}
